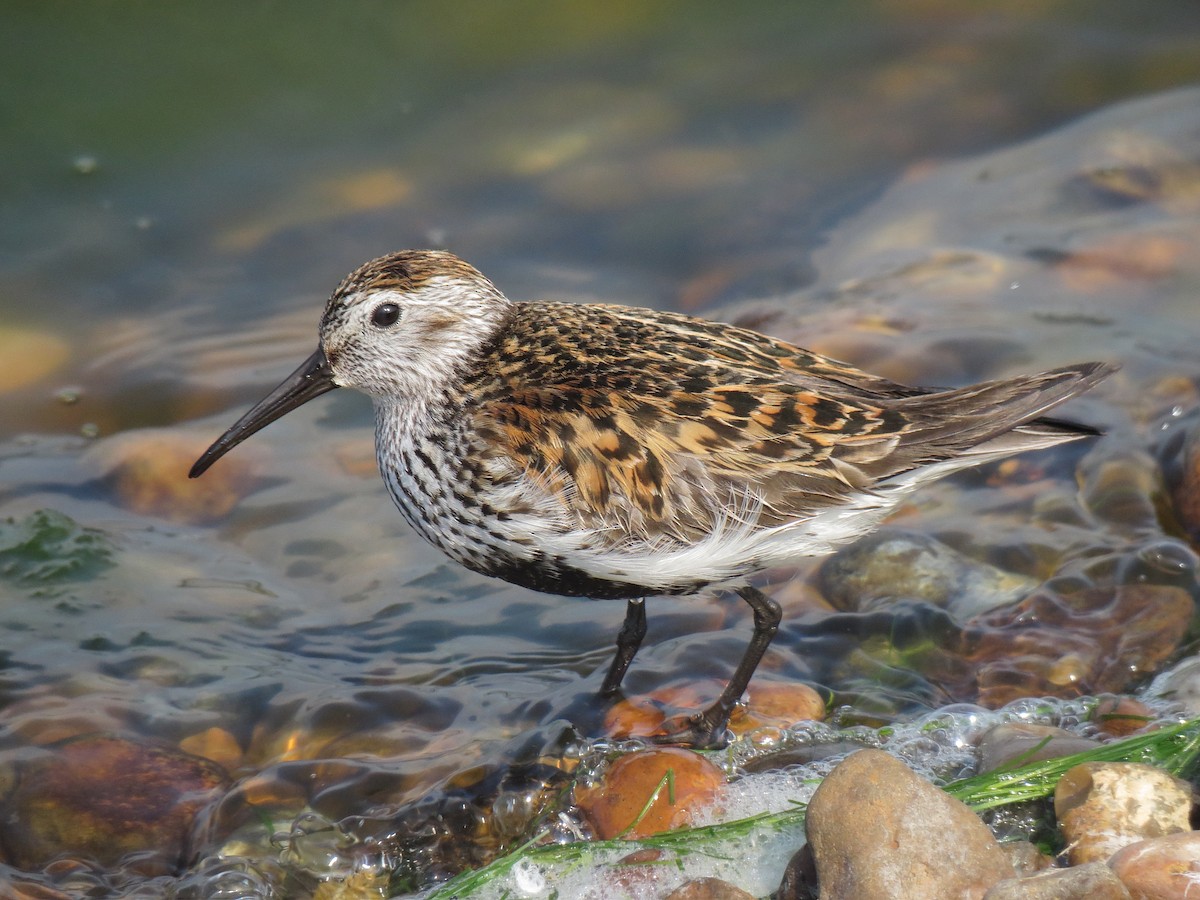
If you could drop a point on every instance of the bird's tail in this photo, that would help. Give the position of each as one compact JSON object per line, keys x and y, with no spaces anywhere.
{"x":998,"y":418}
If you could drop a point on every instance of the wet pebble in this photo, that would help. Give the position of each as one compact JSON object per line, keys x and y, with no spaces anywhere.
{"x":1077,"y":639}
{"x":766,"y":704}
{"x":895,"y":565}
{"x":1116,"y":260}
{"x":1103,"y":807}
{"x":1162,"y":868}
{"x":776,"y":704}
{"x":878,"y":830}
{"x":104,"y":798}
{"x":1122,"y":716}
{"x":1026,"y":857}
{"x":215,"y":744}
{"x":359,"y":886}
{"x":636,"y":873}
{"x":29,"y":356}
{"x":708,"y":889}
{"x":1092,"y":881}
{"x":146,"y":472}
{"x":1179,"y":456}
{"x":1119,"y":487}
{"x":1018,"y":743}
{"x":621,"y":805}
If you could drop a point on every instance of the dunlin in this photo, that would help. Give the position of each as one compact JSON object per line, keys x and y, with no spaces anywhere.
{"x":613,"y":452}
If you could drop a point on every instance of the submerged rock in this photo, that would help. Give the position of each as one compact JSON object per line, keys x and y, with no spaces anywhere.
{"x":146,"y":473}
{"x":1179,"y":455}
{"x":650,"y":791}
{"x":766,"y":704}
{"x":895,"y":565}
{"x":1019,"y":743}
{"x":1122,"y":716}
{"x":107,"y":798}
{"x":1070,"y":640}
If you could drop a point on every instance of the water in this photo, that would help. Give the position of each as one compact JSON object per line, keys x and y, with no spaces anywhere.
{"x":182,"y":188}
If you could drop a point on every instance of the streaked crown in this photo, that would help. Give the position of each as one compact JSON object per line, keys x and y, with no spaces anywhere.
{"x":403,"y":325}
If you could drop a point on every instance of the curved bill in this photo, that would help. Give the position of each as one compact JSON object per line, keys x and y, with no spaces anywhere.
{"x":312,"y":379}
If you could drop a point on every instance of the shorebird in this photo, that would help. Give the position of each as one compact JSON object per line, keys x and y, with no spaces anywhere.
{"x":613,"y":452}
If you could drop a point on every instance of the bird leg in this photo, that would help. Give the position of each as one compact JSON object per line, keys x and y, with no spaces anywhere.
{"x":706,"y":730}
{"x":629,"y":638}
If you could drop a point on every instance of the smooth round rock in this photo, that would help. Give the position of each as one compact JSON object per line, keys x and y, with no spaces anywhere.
{"x":619,"y":806}
{"x":146,"y":472}
{"x":893,"y":565}
{"x":1162,"y":868}
{"x":102,"y":798}
{"x":708,"y":889}
{"x":776,"y":703}
{"x":1026,"y":858}
{"x":1018,"y":743}
{"x":1091,"y":881}
{"x":29,"y":356}
{"x":880,"y":832}
{"x":1122,"y":716}
{"x":1105,"y":806}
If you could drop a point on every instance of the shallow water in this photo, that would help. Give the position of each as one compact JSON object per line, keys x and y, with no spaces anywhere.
{"x":183,"y":187}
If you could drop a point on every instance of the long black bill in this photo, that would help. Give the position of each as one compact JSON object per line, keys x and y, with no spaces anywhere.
{"x":312,"y":379}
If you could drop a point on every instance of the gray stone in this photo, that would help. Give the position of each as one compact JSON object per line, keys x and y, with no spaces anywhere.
{"x":898,"y":565}
{"x":1018,"y":743}
{"x":1092,"y":881}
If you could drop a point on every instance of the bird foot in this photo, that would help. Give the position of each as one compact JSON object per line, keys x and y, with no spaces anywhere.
{"x":698,"y":732}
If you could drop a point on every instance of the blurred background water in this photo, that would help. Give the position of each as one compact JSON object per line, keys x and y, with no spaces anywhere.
{"x":182,"y":185}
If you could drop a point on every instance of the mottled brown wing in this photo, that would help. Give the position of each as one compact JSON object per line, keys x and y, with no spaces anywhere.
{"x":662,"y":423}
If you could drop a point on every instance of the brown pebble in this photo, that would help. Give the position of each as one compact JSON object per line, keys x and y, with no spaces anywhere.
{"x":879,"y":831}
{"x":1122,"y":716}
{"x":643,"y":716}
{"x":767,"y":703}
{"x":1018,"y":743}
{"x":146,"y":472}
{"x":216,"y":744}
{"x":103,"y":797}
{"x":1026,"y":858}
{"x":1162,"y":868}
{"x":1091,"y":881}
{"x":1116,"y":261}
{"x":636,"y":872}
{"x":1104,"y":806}
{"x":616,"y":803}
{"x":633,"y":717}
{"x":1184,"y":482}
{"x":708,"y":889}
{"x":1065,"y":645}
{"x":777,"y":703}
{"x":29,"y":356}
{"x":356,"y":457}
{"x":365,"y":885}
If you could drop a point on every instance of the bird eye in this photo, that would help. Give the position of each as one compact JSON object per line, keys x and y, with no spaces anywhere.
{"x":385,"y":314}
